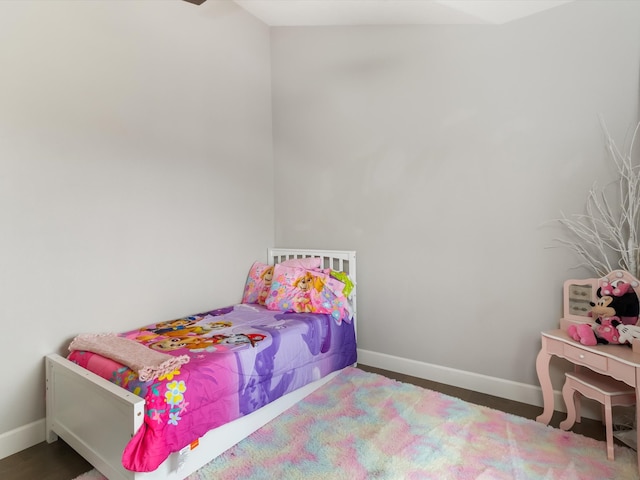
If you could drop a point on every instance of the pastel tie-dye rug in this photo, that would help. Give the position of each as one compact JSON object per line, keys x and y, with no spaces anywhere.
{"x":365,"y":426}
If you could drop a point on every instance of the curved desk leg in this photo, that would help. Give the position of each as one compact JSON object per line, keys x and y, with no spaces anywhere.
{"x":568,"y":393}
{"x":542,"y":368}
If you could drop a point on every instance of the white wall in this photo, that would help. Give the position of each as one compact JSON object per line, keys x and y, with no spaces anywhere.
{"x":438,"y":153}
{"x":136,"y":171}
{"x":135,"y":174}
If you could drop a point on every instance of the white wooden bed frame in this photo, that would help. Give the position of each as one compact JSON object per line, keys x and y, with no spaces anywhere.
{"x":98,"y":418}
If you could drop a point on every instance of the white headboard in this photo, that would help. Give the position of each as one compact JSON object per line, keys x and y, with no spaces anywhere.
{"x":339,"y":260}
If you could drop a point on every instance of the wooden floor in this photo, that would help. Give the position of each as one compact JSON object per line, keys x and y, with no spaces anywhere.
{"x":57,"y":461}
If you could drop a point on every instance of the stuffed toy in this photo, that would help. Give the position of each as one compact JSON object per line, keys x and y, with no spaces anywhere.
{"x":603,"y":331}
{"x":619,"y":299}
{"x":583,"y":333}
{"x":606,"y":331}
{"x":616,"y":308}
{"x":628,"y":333}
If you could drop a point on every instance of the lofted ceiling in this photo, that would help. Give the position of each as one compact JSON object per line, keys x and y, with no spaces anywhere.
{"x":392,"y":12}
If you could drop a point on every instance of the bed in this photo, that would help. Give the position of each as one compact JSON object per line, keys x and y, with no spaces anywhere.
{"x":101,"y":419}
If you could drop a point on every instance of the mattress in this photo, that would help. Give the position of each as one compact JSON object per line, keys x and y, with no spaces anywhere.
{"x":241,"y":358}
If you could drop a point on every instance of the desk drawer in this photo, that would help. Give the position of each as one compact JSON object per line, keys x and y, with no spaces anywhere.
{"x":583,"y":357}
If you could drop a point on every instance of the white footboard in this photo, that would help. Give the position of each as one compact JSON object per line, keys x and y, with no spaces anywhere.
{"x":97,"y":419}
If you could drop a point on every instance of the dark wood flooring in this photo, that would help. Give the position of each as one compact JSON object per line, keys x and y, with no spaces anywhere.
{"x":57,"y":461}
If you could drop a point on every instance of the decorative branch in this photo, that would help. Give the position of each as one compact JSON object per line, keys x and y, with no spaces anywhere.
{"x":607,"y":237}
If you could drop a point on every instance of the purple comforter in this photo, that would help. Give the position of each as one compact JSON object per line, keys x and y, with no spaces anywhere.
{"x":241,"y":358}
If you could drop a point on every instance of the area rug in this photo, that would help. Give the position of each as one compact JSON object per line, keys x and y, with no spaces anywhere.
{"x":365,"y":426}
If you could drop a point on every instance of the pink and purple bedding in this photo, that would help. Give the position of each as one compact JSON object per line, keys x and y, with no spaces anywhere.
{"x":241,"y":358}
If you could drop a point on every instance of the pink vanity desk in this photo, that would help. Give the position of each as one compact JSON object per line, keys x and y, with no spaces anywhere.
{"x":618,"y":361}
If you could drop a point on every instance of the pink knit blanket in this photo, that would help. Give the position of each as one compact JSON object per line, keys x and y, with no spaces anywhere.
{"x":148,"y":364}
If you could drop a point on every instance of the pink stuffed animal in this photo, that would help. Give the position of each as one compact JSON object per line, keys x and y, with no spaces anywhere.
{"x":606,"y":330}
{"x":603,"y":331}
{"x":582,"y":333}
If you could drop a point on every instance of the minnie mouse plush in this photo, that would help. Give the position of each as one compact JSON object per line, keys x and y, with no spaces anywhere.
{"x":604,"y":331}
{"x":615,"y":300}
{"x":623,"y":302}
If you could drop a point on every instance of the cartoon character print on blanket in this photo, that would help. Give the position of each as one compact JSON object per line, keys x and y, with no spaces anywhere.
{"x":198,"y":324}
{"x":202,"y":343}
{"x":241,"y":358}
{"x":204,"y":332}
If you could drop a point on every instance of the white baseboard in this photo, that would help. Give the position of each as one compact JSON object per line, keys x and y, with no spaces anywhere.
{"x":29,"y":435}
{"x":20,"y":438}
{"x":499,"y":387}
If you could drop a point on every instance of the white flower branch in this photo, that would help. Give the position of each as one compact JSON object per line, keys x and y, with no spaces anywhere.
{"x":607,"y":236}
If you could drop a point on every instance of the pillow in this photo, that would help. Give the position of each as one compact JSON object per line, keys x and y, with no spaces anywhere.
{"x":346,"y":280}
{"x":258,"y":283}
{"x":334,"y":298}
{"x":310,"y":263}
{"x":302,"y":290}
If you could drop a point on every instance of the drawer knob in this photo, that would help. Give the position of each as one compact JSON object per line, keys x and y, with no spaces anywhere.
{"x":581,"y":355}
